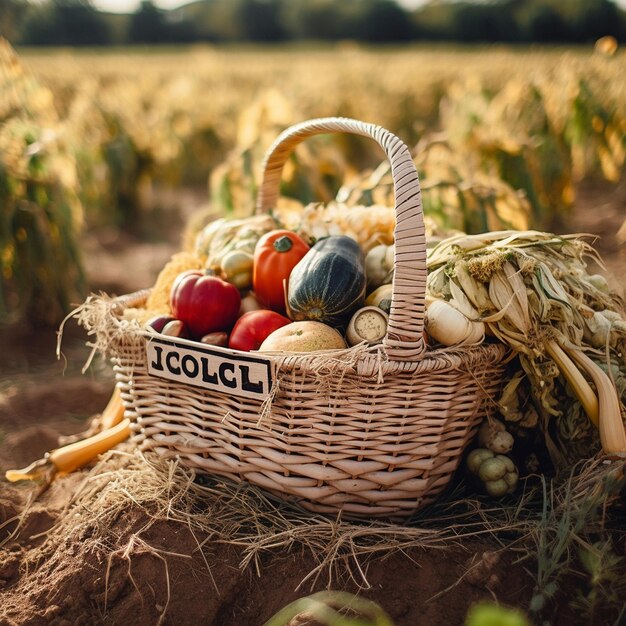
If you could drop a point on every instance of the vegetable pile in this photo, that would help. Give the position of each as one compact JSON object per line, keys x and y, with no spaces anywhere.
{"x":305,"y":283}
{"x":259,"y":284}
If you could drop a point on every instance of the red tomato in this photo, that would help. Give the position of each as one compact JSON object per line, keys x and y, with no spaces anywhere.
{"x":205,"y":303}
{"x":254,"y":327}
{"x":275,"y":255}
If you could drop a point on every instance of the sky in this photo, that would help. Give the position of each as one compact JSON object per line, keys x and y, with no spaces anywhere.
{"x":129,"y":6}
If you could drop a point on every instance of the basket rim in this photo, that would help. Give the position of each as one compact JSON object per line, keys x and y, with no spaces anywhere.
{"x":365,"y":361}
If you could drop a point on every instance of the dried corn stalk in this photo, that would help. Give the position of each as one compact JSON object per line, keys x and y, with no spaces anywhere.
{"x":510,"y":136}
{"x":532,"y":288}
{"x":312,"y":172}
{"x":455,"y":198}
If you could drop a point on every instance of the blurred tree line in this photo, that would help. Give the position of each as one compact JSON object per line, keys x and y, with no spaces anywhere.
{"x":78,"y":23}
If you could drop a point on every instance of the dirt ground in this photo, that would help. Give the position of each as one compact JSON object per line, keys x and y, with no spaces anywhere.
{"x":42,"y":398}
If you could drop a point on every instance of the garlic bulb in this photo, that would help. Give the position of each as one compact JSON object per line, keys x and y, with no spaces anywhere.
{"x":448,"y":326}
{"x":379,"y":264}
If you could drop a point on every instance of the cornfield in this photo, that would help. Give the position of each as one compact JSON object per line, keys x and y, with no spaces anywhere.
{"x":501,"y":138}
{"x":41,"y":213}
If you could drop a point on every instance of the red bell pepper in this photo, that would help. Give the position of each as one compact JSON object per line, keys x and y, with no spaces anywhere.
{"x":205,"y":303}
{"x":254,"y":327}
{"x":275,"y":255}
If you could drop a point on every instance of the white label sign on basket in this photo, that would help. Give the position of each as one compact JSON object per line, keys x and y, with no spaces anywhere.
{"x":210,"y":367}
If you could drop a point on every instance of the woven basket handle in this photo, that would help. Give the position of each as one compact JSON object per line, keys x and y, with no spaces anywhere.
{"x":404,"y":340}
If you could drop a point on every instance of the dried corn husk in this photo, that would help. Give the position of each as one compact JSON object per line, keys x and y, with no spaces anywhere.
{"x":368,"y":225}
{"x":532,"y":289}
{"x":158,"y":301}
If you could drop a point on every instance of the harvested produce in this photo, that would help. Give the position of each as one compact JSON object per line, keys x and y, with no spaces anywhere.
{"x":176,"y":328}
{"x":249,"y":303}
{"x":381,"y":297}
{"x":218,"y":338}
{"x":253,"y":328}
{"x":367,"y":225}
{"x":306,"y":336}
{"x":69,"y":458}
{"x":328,"y":284}
{"x":494,"y":436}
{"x":379,"y":263}
{"x":168,"y":325}
{"x":496,"y":472}
{"x":368,"y":324}
{"x":204,"y":303}
{"x":610,"y":424}
{"x":113,"y":412}
{"x":111,"y":416}
{"x":577,"y":382}
{"x":217,"y":243}
{"x":159,"y":296}
{"x":447,"y":325}
{"x":275,"y":255}
{"x":236,"y":268}
{"x":534,"y":293}
{"x":158,"y":322}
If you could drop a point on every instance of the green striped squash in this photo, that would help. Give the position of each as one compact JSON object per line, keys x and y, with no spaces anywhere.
{"x":328,"y":284}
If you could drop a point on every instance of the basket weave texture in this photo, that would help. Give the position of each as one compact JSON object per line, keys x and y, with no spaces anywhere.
{"x":370,"y":432}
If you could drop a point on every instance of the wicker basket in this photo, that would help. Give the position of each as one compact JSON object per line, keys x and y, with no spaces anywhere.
{"x":371,"y":432}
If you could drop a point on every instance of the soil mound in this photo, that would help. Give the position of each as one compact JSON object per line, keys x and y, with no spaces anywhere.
{"x":100,"y":546}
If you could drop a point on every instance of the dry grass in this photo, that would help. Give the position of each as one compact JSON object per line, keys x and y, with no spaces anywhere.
{"x":547,"y":521}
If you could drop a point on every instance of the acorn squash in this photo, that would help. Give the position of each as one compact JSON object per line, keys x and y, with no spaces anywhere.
{"x":328,"y":284}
